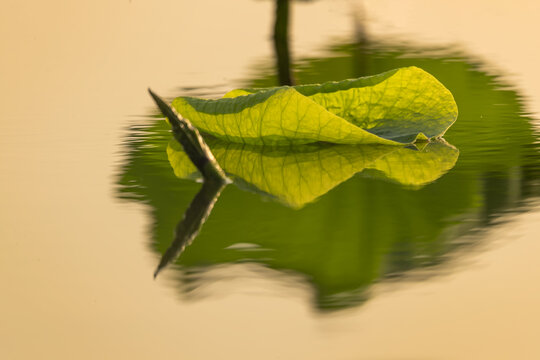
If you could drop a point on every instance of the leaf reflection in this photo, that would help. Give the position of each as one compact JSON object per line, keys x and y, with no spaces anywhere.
{"x":297,"y":176}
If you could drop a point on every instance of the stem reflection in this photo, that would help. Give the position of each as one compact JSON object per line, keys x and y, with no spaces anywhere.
{"x":196,"y":214}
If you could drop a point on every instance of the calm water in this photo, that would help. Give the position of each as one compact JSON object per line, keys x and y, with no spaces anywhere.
{"x":353,"y":252}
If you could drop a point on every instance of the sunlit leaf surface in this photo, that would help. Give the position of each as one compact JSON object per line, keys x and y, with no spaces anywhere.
{"x":395,"y":107}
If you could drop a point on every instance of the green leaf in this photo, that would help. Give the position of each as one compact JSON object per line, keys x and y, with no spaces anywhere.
{"x":298,"y":175}
{"x":392,"y":108}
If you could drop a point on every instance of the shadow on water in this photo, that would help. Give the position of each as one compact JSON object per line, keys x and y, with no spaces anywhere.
{"x":365,"y":230}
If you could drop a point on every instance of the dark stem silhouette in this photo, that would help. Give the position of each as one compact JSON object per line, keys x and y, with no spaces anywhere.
{"x":214,"y":181}
{"x":196,"y":214}
{"x":281,"y":43}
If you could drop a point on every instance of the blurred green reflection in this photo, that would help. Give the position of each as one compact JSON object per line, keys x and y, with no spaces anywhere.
{"x":365,"y":229}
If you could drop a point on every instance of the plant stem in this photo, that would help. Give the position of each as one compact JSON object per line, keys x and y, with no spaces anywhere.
{"x":192,"y":142}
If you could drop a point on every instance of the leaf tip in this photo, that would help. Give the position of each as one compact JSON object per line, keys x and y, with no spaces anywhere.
{"x":156,"y":98}
{"x":160,"y":266}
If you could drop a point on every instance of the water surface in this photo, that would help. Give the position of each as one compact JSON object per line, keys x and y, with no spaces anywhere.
{"x":369,"y":266}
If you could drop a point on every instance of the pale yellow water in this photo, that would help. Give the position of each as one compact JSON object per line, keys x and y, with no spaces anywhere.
{"x":75,"y":271}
